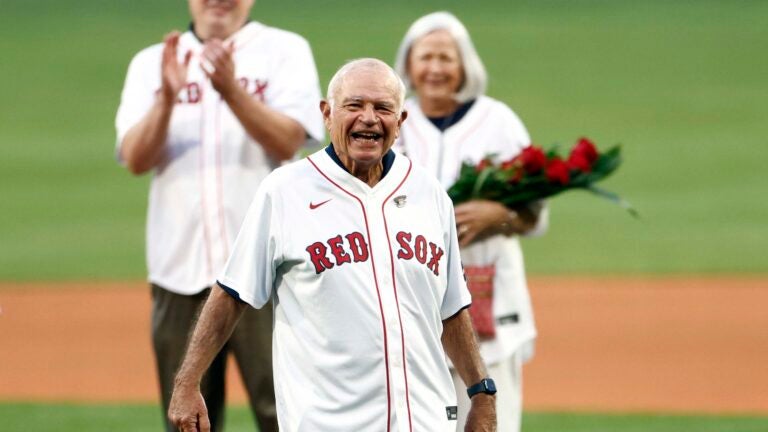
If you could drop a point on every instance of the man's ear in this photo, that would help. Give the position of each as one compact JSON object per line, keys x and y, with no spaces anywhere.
{"x":325,"y":108}
{"x":403,"y":116}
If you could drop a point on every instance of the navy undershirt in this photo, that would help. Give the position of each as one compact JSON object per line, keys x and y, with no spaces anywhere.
{"x":386,"y":161}
{"x":443,"y":123}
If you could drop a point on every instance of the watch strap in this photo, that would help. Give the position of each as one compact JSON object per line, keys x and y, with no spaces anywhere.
{"x":486,"y":385}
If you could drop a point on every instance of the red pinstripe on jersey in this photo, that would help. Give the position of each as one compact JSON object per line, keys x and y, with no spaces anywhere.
{"x":201,"y":175}
{"x":375,"y":280}
{"x":219,"y":181}
{"x":394,"y":288}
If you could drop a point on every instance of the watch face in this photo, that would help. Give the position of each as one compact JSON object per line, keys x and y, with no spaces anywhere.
{"x":486,"y":385}
{"x":490,"y":386}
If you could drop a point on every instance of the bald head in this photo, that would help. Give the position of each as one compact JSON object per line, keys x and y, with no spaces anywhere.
{"x":367,"y":66}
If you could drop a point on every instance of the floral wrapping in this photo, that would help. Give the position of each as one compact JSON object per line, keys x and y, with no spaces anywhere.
{"x":480,"y":284}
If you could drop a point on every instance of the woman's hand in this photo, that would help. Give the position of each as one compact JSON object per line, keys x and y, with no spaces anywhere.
{"x":477,"y":218}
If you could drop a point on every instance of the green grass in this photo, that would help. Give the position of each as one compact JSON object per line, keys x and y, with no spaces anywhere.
{"x":556,"y":422}
{"x":681,"y":85}
{"x":27,"y":417}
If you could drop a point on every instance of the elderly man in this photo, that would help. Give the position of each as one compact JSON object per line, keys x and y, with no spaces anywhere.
{"x":358,"y":249}
{"x":210,"y":113}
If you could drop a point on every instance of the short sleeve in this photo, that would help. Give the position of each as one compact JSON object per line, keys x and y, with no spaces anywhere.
{"x":141,"y":82}
{"x":251,"y":266}
{"x":457,"y":295}
{"x":296,"y":88}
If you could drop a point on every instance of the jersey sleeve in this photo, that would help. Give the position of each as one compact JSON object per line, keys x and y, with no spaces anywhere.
{"x":141,"y":82}
{"x":250,"y":269}
{"x":457,"y":295}
{"x":296,"y":89}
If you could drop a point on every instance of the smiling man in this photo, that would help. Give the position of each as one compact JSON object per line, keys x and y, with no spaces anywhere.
{"x":210,"y":112}
{"x":357,"y":248}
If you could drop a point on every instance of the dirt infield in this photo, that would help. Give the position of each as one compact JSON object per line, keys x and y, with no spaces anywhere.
{"x":605,"y":344}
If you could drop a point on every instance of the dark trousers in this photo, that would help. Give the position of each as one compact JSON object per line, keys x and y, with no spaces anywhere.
{"x":173,"y":318}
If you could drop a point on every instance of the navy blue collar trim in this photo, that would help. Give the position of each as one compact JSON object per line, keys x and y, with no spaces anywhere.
{"x":443,"y":123}
{"x":387,"y":161}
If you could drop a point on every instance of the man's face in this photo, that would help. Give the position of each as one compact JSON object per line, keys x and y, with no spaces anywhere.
{"x":365,"y":118}
{"x":219,"y":18}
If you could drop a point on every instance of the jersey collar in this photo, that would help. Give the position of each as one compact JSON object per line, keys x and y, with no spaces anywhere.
{"x":241,"y":37}
{"x":387,"y":160}
{"x":443,"y":123}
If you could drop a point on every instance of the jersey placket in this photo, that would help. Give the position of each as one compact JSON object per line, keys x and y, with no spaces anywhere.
{"x":211,"y":188}
{"x":380,"y":250}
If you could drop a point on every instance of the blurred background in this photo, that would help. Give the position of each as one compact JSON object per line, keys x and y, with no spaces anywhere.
{"x":681,"y":85}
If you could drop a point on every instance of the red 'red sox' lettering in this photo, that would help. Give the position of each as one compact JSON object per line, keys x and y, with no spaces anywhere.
{"x":255,"y":87}
{"x":358,"y":246}
{"x":405,"y":251}
{"x":192,"y":92}
{"x":419,"y":251}
{"x":336,"y":251}
{"x":355,"y":245}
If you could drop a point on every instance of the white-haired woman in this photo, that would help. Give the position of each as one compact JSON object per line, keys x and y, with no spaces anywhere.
{"x":451,"y":121}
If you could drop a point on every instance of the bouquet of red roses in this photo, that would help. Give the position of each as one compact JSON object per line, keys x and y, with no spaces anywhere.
{"x":536,"y":174}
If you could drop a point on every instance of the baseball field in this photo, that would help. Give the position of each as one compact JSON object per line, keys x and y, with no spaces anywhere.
{"x":656,"y":324}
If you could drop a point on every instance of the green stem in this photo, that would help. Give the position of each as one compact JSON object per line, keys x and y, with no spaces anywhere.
{"x":480,"y":181}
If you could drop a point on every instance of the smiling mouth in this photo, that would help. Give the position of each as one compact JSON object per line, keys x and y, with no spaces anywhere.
{"x":219,"y":6}
{"x":367,"y":136}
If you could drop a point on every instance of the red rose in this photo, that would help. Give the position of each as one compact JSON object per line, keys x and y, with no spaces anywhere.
{"x":509,"y":164}
{"x":533,"y":159}
{"x":513,"y":169}
{"x":579,"y":162}
{"x":485,"y":163}
{"x":557,"y":171}
{"x":586,"y":148}
{"x":516,"y":176}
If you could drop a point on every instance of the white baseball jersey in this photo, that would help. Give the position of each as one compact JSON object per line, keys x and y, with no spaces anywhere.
{"x":198,"y":199}
{"x":489,"y":127}
{"x":362,"y":279}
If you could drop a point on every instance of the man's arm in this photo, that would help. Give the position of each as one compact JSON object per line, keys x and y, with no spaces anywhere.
{"x":218,"y":318}
{"x":460,"y":344}
{"x":143,"y":146}
{"x":280,"y":135}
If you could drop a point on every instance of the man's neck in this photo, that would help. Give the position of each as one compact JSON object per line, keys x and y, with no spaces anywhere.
{"x":368,"y":174}
{"x":206,"y":33}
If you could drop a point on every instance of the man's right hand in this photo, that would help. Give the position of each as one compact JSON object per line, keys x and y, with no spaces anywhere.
{"x":174,"y":73}
{"x":187,"y":410}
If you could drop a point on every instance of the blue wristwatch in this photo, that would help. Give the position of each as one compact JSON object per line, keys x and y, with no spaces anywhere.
{"x":486,"y":385}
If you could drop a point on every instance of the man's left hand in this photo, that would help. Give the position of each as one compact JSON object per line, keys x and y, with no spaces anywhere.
{"x":219,"y":66}
{"x":482,"y":414}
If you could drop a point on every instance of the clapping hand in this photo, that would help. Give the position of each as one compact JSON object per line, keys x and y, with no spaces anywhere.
{"x":174,"y":73}
{"x":219,"y":67}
